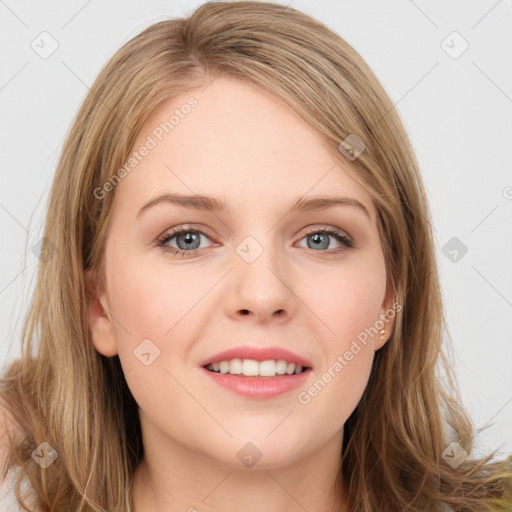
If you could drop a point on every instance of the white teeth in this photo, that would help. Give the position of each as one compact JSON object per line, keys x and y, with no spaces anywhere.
{"x":252,"y":368}
{"x":267,"y":368}
{"x":281,"y":366}
{"x":235,"y":367}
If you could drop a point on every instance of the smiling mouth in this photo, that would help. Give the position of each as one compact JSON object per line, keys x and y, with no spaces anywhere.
{"x":255,"y":369}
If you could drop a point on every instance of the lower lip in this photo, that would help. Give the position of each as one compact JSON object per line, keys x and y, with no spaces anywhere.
{"x":259,"y":387}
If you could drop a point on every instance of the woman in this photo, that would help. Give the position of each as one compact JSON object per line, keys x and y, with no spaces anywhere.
{"x":288,"y":359}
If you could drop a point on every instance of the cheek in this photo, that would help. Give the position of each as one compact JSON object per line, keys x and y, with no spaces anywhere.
{"x":340,"y":384}
{"x":156,"y":311}
{"x":335,"y":392}
{"x":347,"y":301}
{"x":349,"y":310}
{"x":151,"y":301}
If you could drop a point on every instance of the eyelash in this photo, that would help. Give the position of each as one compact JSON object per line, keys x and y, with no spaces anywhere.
{"x":337,"y":234}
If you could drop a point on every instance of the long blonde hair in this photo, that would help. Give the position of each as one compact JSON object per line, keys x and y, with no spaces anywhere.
{"x":77,"y":400}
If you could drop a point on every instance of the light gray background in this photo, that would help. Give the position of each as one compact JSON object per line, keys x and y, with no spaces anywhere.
{"x":457,"y":112}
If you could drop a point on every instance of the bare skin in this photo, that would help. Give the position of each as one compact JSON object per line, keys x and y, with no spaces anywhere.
{"x":308,"y":294}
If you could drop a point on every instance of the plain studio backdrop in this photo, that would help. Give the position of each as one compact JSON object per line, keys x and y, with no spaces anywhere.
{"x":446,"y":66}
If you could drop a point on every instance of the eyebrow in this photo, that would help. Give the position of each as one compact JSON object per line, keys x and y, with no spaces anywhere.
{"x":206,"y":203}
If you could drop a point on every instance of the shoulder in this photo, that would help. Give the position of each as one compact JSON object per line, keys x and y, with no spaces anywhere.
{"x":8,"y":500}
{"x":7,"y":497}
{"x":8,"y":429}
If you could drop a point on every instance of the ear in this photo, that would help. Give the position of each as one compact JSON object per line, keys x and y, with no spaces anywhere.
{"x":100,"y":321}
{"x":387,"y":316}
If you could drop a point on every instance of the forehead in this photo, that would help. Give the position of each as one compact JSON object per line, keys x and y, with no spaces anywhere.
{"x":234,"y":140}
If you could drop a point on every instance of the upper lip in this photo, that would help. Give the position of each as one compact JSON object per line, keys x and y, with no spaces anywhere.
{"x":257,"y":354}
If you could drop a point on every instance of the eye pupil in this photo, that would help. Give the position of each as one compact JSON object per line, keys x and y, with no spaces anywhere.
{"x":190,"y":238}
{"x":318,"y":239}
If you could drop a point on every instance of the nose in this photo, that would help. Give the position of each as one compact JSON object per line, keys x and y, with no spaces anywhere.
{"x":260,"y":284}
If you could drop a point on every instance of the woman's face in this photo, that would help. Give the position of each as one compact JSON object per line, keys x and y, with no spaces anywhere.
{"x":259,"y":274}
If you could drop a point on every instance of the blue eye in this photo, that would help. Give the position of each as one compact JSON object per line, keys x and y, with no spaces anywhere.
{"x":320,"y":236}
{"x":187,"y":236}
{"x":190,"y":240}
